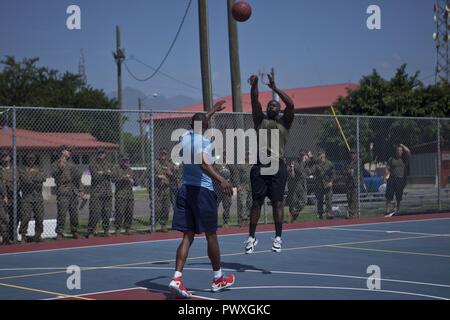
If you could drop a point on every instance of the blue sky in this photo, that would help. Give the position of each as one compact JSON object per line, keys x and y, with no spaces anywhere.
{"x":307,"y":42}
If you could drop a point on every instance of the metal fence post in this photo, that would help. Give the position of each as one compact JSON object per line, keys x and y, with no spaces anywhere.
{"x":152,"y":171}
{"x":265,"y":212}
{"x":439,"y":163}
{"x":14,"y":169}
{"x":358,"y":159}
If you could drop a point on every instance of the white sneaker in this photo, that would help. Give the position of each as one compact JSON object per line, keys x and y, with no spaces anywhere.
{"x":276,"y":245}
{"x":390,"y":214}
{"x":250,"y":245}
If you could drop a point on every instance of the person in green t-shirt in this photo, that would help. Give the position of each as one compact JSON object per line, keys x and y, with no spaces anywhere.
{"x":397,"y":169}
{"x":272,"y":186}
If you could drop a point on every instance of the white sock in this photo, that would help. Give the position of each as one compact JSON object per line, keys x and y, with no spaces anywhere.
{"x":278,"y":238}
{"x":177,"y":274}
{"x":217,"y":274}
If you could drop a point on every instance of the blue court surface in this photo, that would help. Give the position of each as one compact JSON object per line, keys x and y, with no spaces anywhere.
{"x":413,"y":259}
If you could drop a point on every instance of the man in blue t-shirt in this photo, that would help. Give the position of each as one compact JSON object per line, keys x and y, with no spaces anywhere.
{"x":195,"y":209}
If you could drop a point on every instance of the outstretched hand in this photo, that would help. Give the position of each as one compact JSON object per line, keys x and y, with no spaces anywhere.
{"x":271,"y":83}
{"x":253,"y":80}
{"x":219,"y":106}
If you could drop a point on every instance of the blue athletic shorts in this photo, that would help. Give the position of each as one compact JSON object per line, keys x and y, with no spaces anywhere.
{"x":195,"y":210}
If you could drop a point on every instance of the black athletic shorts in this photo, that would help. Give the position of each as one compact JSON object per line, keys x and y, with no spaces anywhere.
{"x":271,"y":186}
{"x":395,"y":186}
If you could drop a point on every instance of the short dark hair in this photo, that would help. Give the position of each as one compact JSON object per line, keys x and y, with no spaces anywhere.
{"x":199,"y":116}
{"x":4,"y":154}
{"x":302,"y":153}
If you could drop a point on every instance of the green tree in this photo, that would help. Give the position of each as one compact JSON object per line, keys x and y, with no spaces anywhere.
{"x":402,"y":95}
{"x":24,"y":83}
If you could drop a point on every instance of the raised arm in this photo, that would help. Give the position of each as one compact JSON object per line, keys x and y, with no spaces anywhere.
{"x":406,"y":149}
{"x":218,"y":106}
{"x":258,"y":114}
{"x":288,"y":113}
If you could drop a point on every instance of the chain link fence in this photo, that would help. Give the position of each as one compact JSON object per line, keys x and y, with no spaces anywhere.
{"x":65,"y":174}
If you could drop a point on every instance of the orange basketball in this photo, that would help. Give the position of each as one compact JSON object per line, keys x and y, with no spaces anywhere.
{"x":241,"y":11}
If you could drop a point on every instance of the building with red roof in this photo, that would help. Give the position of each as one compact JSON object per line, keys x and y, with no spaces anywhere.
{"x":46,"y":144}
{"x":315,"y":100}
{"x":310,"y":100}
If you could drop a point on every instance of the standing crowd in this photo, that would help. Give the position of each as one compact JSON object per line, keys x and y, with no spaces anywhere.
{"x":71,"y":194}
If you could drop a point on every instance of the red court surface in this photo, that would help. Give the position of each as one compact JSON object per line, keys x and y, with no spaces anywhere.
{"x":100,"y":241}
{"x":137,"y":293}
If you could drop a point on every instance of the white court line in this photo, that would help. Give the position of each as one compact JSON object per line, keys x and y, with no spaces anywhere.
{"x":203,"y":237}
{"x":98,"y":292}
{"x":121,"y":290}
{"x":275,"y":272}
{"x":340,"y":288}
{"x":386,"y":231}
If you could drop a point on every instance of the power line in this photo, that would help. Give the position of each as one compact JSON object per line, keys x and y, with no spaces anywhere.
{"x":133,"y":58}
{"x":168,"y":51}
{"x":163,"y":73}
{"x":427,"y":77}
{"x":171,"y":77}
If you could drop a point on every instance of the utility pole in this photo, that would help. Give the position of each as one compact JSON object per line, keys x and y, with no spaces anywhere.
{"x":235,"y":68}
{"x":204,"y":54}
{"x":141,"y":131}
{"x":119,"y":56}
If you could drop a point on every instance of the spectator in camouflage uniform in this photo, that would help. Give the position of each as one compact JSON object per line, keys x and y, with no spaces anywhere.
{"x":100,"y":205}
{"x":351,"y":185}
{"x":163,"y":178}
{"x":244,"y":193}
{"x":297,"y":186}
{"x":324,"y":175}
{"x":31,"y":179}
{"x":8,"y":197}
{"x":225,"y":171}
{"x":68,"y":189}
{"x":123,"y":197}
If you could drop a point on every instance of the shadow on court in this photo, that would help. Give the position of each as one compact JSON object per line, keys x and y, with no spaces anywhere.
{"x":150,"y":285}
{"x":238,"y":267}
